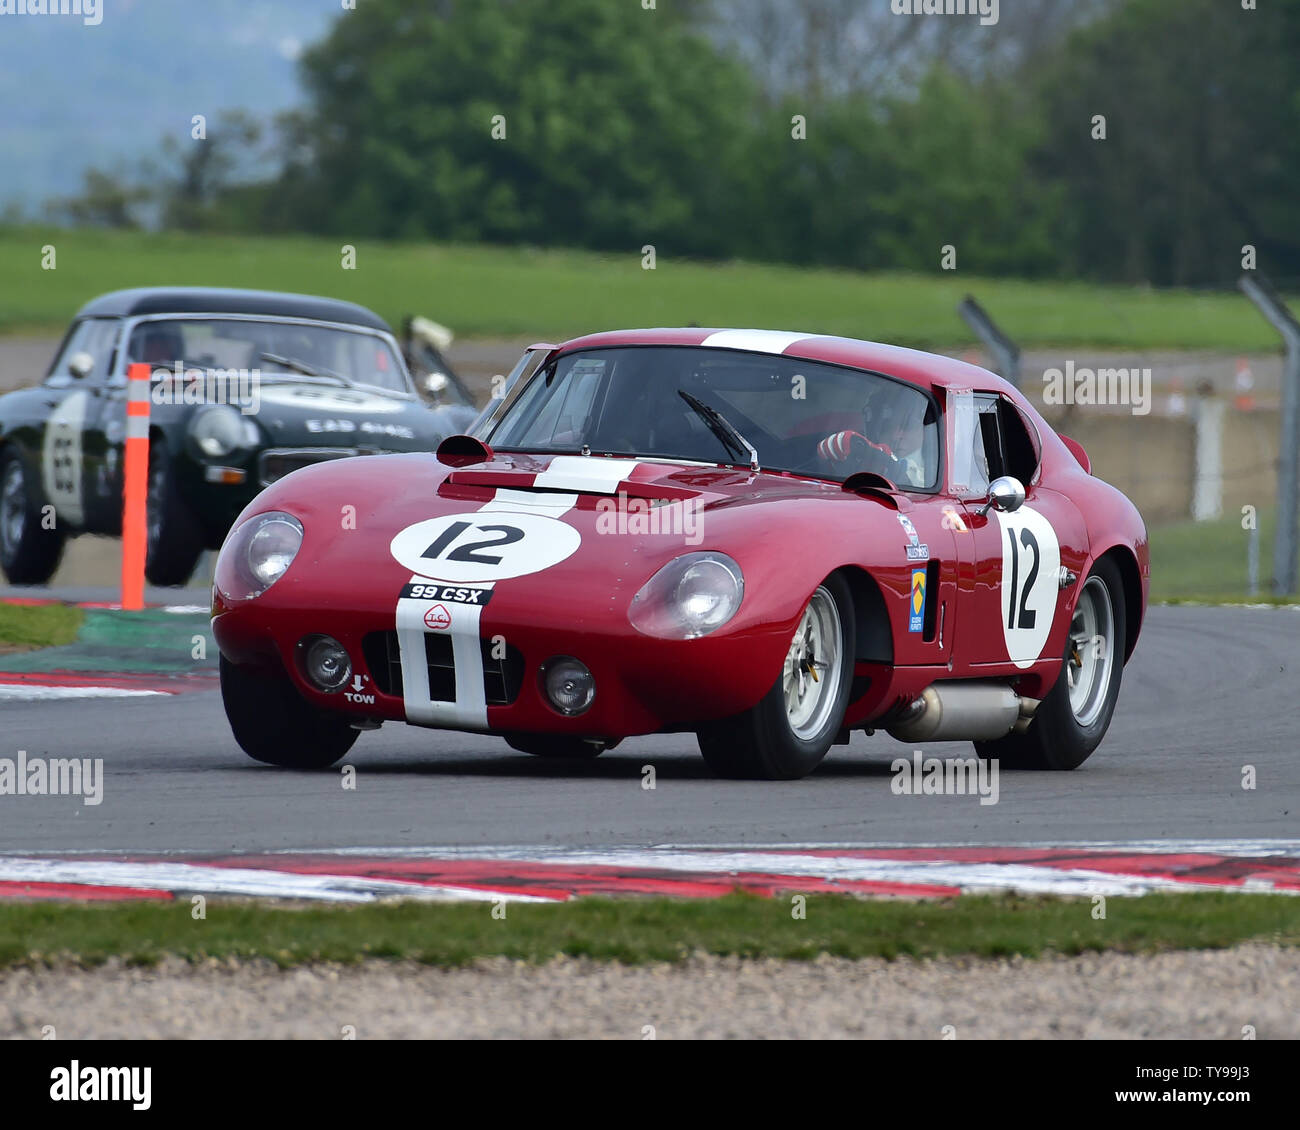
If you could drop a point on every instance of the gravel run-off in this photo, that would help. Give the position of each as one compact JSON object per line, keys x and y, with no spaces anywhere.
{"x":1177,"y":995}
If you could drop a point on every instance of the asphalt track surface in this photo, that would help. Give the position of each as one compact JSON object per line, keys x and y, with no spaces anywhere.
{"x":1209,"y":692}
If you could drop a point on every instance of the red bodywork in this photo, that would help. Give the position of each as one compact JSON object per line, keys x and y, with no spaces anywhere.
{"x":787,"y":532}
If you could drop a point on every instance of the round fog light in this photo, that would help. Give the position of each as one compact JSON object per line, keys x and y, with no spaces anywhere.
{"x":569,"y":685}
{"x":326,"y":662}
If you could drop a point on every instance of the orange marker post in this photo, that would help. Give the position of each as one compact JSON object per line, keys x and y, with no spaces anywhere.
{"x":135,"y":487}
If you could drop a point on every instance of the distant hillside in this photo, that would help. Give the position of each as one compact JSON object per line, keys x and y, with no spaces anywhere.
{"x":76,"y":96}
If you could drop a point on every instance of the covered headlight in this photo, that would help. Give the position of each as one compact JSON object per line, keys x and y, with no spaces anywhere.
{"x":217,"y":430}
{"x":689,"y":597}
{"x":257,"y":554}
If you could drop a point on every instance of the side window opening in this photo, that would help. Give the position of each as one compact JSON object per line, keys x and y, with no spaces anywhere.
{"x":506,"y":392}
{"x":1019,"y":443}
{"x":991,"y":434}
{"x":96,"y":336}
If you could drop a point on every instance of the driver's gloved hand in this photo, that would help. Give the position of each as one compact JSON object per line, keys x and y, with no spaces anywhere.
{"x":838,"y":448}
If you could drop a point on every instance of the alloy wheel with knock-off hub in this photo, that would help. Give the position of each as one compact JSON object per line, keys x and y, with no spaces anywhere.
{"x":788,"y":732}
{"x":1091,"y":652}
{"x":1071,"y":721}
{"x":812,"y":667}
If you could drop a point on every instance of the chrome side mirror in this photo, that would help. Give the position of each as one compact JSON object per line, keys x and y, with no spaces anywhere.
{"x":1005,"y":494}
{"x":435,"y":384}
{"x":81,"y":365}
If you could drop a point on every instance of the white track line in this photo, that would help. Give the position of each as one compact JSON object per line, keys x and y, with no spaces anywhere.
{"x":253,"y":882}
{"x":38,"y":692}
{"x":973,"y":876}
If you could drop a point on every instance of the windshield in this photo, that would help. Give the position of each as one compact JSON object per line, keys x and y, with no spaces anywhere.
{"x":298,"y":350}
{"x":802,"y":416}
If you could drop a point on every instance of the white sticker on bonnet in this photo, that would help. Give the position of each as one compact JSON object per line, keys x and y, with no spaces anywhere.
{"x":479,"y":547}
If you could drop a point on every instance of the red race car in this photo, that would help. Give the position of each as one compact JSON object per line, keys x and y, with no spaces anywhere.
{"x":770,"y":539}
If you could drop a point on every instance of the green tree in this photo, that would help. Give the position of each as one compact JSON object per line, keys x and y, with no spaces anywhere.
{"x":1201,"y":101}
{"x":621,"y":125}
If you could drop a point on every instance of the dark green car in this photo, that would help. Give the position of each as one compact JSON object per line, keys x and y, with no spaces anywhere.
{"x":246,"y":387}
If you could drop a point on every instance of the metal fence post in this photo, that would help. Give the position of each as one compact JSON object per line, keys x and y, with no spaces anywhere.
{"x":1252,"y":561}
{"x":1270,"y":304}
{"x":1005,"y":351}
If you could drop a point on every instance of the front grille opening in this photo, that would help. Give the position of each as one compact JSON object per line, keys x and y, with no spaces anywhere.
{"x":384,"y":661}
{"x":503,"y":667}
{"x":274,"y":465}
{"x":442,"y":667}
{"x":503,"y":674}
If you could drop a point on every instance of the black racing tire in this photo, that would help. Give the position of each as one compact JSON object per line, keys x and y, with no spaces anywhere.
{"x":175,"y":538}
{"x":29,"y":553}
{"x":1057,"y":738}
{"x":557,"y":746}
{"x":763,"y":743}
{"x":274,"y":724}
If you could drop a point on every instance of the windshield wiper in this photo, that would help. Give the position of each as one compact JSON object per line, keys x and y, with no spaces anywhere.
{"x":726,"y":432}
{"x":293,"y":364}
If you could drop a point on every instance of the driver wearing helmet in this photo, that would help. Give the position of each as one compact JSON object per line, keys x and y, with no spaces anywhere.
{"x":157,"y":344}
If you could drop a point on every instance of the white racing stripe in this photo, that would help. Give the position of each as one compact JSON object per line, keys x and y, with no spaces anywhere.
{"x":522,"y":502}
{"x":584,"y":473}
{"x":469,"y":710}
{"x":755,"y":341}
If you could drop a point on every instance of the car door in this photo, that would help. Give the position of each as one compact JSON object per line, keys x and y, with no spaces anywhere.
{"x":1014,"y":607}
{"x":103,"y":428}
{"x":929,"y":570}
{"x":73,"y":388}
{"x":918,"y":561}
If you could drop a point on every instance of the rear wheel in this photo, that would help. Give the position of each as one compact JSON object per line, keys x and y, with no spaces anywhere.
{"x":1074,"y":717}
{"x":29,"y":553}
{"x":175,"y":538}
{"x":273,"y":723}
{"x":788,"y":733}
{"x":557,"y":746}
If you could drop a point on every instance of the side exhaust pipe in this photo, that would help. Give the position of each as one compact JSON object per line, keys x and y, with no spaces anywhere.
{"x":964,"y":710}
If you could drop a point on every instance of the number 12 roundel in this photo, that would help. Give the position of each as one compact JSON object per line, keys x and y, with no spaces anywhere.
{"x":1031,"y":562}
{"x":481,"y":546}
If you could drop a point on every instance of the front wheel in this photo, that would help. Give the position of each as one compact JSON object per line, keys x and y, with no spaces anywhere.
{"x":29,"y":549}
{"x":175,"y":538}
{"x":274,"y":724}
{"x":788,"y":733}
{"x":1071,"y":721}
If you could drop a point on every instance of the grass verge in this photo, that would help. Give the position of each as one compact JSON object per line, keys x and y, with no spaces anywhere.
{"x":492,"y":291}
{"x":24,"y":627}
{"x":1205,"y":562}
{"x":637,"y":930}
